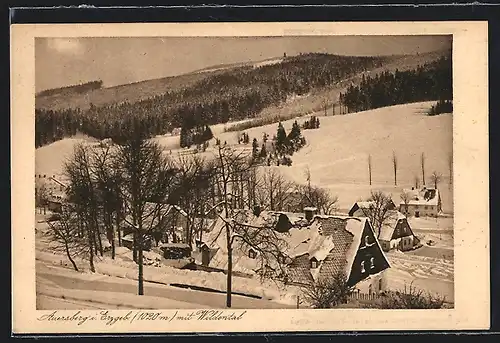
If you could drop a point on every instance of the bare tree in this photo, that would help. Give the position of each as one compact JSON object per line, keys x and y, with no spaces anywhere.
{"x":405,"y":198}
{"x":436,"y":177}
{"x":263,"y":239}
{"x":370,"y":168}
{"x":274,"y":191}
{"x":192,"y":190}
{"x":81,"y":193}
{"x":328,"y":292}
{"x":422,"y":165}
{"x":395,"y":166}
{"x":147,"y":180}
{"x":312,"y":196}
{"x":108,"y":183}
{"x":379,"y":209}
{"x":63,"y":236}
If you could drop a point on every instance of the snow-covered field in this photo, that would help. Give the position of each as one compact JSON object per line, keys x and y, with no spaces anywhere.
{"x":336,"y":155}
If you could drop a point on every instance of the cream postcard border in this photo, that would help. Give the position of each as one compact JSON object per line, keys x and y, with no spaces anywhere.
{"x":471,"y":186}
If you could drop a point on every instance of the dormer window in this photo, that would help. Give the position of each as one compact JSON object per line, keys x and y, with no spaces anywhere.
{"x":252,"y":254}
{"x":367,"y":240}
{"x":372,"y":263}
{"x":314,"y":263}
{"x":363,"y":267}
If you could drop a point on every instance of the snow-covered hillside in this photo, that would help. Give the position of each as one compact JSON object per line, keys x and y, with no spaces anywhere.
{"x":337,"y":153}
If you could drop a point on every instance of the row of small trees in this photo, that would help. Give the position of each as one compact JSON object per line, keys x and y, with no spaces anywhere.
{"x":442,"y":106}
{"x":435,"y":178}
{"x":80,"y":88}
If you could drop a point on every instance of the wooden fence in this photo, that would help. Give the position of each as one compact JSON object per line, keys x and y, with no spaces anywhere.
{"x":364,"y":296}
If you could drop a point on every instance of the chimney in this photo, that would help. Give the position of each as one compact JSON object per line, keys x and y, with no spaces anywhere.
{"x":256,"y":210}
{"x":310,"y":212}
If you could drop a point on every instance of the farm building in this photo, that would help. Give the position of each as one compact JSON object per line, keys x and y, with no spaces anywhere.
{"x":396,"y":233}
{"x":160,"y":221}
{"x":309,"y":250}
{"x":421,"y":202}
{"x":360,"y":208}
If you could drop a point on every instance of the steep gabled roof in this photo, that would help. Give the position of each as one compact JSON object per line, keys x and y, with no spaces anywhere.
{"x":334,"y":240}
{"x":390,"y":224}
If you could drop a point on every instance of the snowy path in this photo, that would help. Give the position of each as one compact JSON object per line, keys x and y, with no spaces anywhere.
{"x":45,"y":302}
{"x":64,"y":279}
{"x":434,"y":275}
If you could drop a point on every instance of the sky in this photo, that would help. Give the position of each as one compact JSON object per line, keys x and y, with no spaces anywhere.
{"x":68,"y":61}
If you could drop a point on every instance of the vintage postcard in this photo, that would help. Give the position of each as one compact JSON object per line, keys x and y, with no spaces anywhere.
{"x":237,"y":177}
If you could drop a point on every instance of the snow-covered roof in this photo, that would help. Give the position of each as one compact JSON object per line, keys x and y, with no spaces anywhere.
{"x":129,"y":237}
{"x":174,"y":245}
{"x":425,"y":196}
{"x":389,"y":224}
{"x":296,"y":219}
{"x":364,"y":204}
{"x":154,"y":213}
{"x":335,"y":251}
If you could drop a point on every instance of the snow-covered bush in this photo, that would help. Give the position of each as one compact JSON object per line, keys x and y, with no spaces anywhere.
{"x":410,"y":298}
{"x":327,"y":293}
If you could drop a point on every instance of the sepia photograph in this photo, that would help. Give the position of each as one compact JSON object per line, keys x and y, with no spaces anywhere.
{"x":231,"y":173}
{"x":261,"y":172}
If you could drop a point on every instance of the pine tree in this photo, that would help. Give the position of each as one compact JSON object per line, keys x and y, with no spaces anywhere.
{"x":294,"y":137}
{"x":255,"y":149}
{"x":207,"y":134}
{"x":281,"y":139}
{"x":263,"y":151}
{"x":184,"y":138}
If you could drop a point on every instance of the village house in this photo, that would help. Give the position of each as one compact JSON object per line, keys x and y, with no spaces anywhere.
{"x":421,"y":202}
{"x":313,"y":248}
{"x":360,"y":208}
{"x":336,"y":244}
{"x":396,"y":233}
{"x":50,"y":191}
{"x":161,"y":221}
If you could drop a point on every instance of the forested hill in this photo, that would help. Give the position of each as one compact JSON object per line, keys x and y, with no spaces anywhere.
{"x":202,"y":99}
{"x":431,"y":81}
{"x":70,"y":90}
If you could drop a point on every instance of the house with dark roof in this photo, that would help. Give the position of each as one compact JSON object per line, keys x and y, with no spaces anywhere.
{"x":312,"y":250}
{"x":360,"y":207}
{"x":331,"y":245}
{"x":396,"y":233}
{"x":421,"y":202}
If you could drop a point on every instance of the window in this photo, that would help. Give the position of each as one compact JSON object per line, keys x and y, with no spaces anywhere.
{"x":380,"y":284}
{"x":281,"y":259}
{"x":367,"y":240}
{"x":252,"y":253}
{"x":363,"y":266}
{"x":314,"y":264}
{"x":372,"y":263}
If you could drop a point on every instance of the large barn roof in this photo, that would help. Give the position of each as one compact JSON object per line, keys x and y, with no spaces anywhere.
{"x":424,"y":196}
